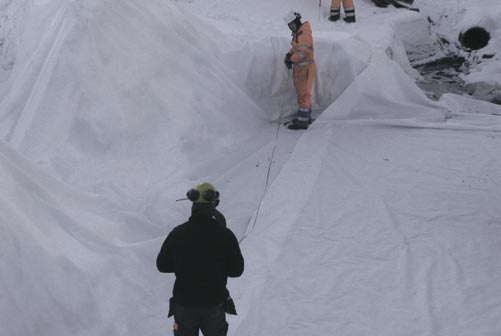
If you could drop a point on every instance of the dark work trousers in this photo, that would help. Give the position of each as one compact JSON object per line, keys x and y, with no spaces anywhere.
{"x":210,"y":320}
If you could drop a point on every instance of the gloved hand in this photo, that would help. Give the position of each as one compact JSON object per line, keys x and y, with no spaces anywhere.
{"x":287,"y":61}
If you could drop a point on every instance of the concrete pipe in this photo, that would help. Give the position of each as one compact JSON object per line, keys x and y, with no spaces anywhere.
{"x":474,"y":38}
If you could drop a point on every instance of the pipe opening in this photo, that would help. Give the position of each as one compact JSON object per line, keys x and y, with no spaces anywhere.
{"x":474,"y":38}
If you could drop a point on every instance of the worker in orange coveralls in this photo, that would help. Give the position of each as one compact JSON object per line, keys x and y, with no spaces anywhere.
{"x":349,"y":10}
{"x":300,"y":59}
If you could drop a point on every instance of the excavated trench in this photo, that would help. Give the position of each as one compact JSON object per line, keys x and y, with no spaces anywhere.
{"x":444,"y":75}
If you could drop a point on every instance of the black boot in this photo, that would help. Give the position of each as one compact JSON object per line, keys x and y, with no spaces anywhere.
{"x":349,"y":14}
{"x":302,"y":121}
{"x":335,"y":14}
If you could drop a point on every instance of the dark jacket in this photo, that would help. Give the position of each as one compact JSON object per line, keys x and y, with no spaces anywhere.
{"x":203,"y":255}
{"x":220,"y":219}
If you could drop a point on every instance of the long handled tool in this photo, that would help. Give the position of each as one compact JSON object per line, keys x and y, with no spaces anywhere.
{"x":401,"y":4}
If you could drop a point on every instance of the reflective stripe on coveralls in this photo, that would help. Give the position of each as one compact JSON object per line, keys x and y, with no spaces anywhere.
{"x":304,"y":47}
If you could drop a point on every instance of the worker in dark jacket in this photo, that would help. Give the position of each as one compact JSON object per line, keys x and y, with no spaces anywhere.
{"x":203,"y":254}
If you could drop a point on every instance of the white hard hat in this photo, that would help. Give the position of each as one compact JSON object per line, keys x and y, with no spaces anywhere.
{"x":291,"y":16}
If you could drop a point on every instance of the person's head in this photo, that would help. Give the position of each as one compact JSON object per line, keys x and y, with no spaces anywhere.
{"x":293,"y":20}
{"x":204,"y":193}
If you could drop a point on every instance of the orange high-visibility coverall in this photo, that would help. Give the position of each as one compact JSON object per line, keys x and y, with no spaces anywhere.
{"x":346,"y":3}
{"x":303,"y":64}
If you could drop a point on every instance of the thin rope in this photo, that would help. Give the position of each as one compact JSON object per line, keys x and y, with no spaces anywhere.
{"x":268,"y":173}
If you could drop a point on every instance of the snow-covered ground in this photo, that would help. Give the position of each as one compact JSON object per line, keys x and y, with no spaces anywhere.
{"x":381,"y":219}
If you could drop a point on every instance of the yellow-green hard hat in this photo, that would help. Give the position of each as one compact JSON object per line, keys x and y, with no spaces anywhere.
{"x":203,"y":193}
